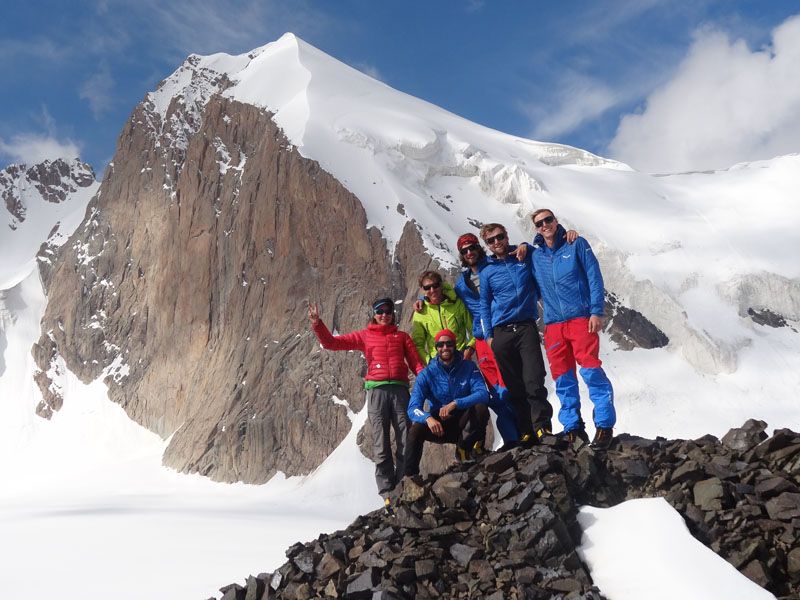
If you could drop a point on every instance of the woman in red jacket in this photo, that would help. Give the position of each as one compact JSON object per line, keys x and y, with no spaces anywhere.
{"x":390,"y":353}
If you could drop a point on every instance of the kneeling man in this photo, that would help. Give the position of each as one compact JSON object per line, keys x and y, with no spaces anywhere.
{"x":457,"y":396}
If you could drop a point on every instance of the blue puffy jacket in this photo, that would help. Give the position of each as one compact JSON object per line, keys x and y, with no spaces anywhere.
{"x":471,"y":299}
{"x":508,"y":292}
{"x":440,"y":385}
{"x":569,"y":279}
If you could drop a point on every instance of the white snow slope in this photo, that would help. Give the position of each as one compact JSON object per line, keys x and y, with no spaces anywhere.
{"x":84,"y":498}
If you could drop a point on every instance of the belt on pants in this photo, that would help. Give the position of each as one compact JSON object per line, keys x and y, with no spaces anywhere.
{"x":515,"y":326}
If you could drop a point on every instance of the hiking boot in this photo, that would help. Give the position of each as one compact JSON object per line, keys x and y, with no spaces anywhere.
{"x":528,"y":440}
{"x":574,"y":435}
{"x":543,"y":432}
{"x":478,"y":449}
{"x":602,"y":438}
{"x":463,"y":455}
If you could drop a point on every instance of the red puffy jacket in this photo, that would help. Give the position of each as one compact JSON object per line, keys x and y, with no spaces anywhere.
{"x":389,"y":352}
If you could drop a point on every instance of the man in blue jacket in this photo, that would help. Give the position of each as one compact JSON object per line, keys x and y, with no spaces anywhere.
{"x":457,"y":396}
{"x":473,"y":259}
{"x":508,"y":297}
{"x":571,"y":286}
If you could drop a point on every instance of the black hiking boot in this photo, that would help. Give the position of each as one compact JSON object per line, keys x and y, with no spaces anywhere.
{"x":478,"y":451}
{"x":602,"y":438}
{"x":544,"y":434}
{"x":574,"y":437}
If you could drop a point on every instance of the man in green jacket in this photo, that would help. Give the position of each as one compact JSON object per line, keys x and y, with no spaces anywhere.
{"x":442,"y":309}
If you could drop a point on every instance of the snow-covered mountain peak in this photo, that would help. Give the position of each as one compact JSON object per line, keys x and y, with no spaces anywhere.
{"x":674,"y":247}
{"x":42,"y":202}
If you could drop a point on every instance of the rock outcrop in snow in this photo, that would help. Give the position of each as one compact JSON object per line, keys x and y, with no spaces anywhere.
{"x":507,"y":527}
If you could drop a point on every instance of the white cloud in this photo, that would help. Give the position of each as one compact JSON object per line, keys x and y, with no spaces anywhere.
{"x":725,"y":104}
{"x":576,"y":100}
{"x":97,"y":91}
{"x":32,"y":148}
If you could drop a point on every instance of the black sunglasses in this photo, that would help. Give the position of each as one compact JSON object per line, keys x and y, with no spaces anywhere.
{"x":496,"y":238}
{"x":384,"y":311}
{"x":546,"y":220}
{"x":446,"y":344}
{"x":471,"y":248}
{"x":431,"y":286}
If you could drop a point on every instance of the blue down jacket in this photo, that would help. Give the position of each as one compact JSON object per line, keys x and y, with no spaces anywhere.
{"x":568,"y":277}
{"x":508,"y":292}
{"x":440,"y":385}
{"x":471,"y":299}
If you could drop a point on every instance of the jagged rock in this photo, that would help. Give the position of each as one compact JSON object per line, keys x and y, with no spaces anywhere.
{"x":793,"y":564}
{"x":765,"y":316}
{"x":708,"y":494}
{"x":745,"y":437}
{"x":784,"y":507}
{"x":515,"y":533}
{"x":233,"y":592}
{"x":363,"y":584}
{"x":463,"y":553}
{"x":629,"y":328}
{"x":255,"y":588}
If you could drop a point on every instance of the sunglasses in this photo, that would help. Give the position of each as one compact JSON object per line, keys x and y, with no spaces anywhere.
{"x":384,"y":311}
{"x":471,"y":248}
{"x":545,"y":221}
{"x":431,"y":286}
{"x":446,"y":344}
{"x":496,"y":238}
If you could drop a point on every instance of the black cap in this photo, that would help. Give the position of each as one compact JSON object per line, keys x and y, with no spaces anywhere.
{"x":381,"y":302}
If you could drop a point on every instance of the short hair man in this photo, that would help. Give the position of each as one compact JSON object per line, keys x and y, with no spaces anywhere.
{"x":571,"y":285}
{"x":441,"y":309}
{"x":467,"y":287}
{"x":457,"y":396}
{"x":508,"y":297}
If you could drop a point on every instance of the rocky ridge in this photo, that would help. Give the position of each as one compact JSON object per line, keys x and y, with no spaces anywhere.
{"x":506,"y":527}
{"x":52,"y":180}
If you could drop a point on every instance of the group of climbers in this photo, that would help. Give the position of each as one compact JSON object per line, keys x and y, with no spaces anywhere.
{"x":489,"y":315}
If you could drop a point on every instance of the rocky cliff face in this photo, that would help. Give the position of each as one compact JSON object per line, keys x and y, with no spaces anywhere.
{"x":194,"y":266}
{"x":507,"y":527}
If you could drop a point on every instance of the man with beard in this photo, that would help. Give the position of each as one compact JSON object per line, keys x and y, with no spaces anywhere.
{"x":457,"y":397}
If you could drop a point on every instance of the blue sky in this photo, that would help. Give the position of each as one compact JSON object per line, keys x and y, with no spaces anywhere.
{"x":569,"y":71}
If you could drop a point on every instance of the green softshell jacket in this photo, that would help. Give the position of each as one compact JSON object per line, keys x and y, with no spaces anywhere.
{"x":450,"y":314}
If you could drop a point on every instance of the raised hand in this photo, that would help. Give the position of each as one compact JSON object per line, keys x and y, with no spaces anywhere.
{"x":313,"y":313}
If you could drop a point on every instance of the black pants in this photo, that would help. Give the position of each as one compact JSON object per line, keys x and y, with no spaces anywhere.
{"x":464,"y":427}
{"x":518,"y":354}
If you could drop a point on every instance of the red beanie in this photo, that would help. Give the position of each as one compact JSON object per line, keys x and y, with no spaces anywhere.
{"x":445,"y":332}
{"x":467,"y":240}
